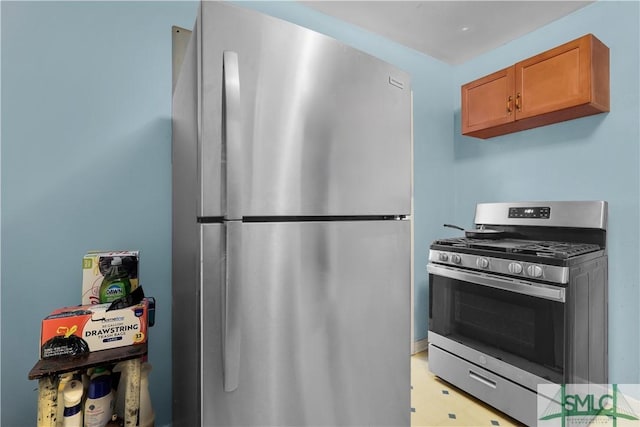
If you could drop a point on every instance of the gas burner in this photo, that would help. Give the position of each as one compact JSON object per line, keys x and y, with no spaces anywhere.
{"x":557,"y":249}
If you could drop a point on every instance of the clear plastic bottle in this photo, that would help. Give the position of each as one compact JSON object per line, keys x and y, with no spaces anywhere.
{"x":115,"y":284}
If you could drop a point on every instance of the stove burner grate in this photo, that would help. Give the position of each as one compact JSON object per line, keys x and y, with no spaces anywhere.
{"x":558,"y":249}
{"x":550,"y":249}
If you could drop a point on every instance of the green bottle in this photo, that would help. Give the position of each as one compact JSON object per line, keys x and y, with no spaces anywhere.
{"x":115,"y":284}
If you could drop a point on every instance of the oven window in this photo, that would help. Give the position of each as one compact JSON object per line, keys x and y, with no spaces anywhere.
{"x":522,"y":330}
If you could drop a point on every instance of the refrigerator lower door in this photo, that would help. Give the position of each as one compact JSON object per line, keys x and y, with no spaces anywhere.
{"x":324,"y":325}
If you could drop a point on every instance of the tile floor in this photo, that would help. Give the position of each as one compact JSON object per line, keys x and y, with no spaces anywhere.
{"x":437,"y":403}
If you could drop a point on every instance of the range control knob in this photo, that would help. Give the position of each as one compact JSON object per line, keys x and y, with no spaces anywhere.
{"x":443,"y":257}
{"x":455,"y":258}
{"x":515,"y":268}
{"x":534,"y":271}
{"x":482,"y":263}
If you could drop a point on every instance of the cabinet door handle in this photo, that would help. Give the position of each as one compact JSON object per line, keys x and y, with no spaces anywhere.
{"x":518,"y":96}
{"x":509,"y":104}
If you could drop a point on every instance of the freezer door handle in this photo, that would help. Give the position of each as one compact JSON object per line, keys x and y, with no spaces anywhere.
{"x":232,"y":135}
{"x":231,"y":316}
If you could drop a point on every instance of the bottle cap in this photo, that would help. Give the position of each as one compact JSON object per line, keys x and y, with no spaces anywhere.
{"x":72,"y":393}
{"x":66,"y":376}
{"x":116,"y":260}
{"x":99,"y":370}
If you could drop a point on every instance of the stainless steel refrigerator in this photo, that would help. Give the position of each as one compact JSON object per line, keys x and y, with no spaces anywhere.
{"x":291,"y":229}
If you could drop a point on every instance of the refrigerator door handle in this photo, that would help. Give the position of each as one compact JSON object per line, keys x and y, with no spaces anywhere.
{"x":232,"y":134}
{"x":231,"y":316}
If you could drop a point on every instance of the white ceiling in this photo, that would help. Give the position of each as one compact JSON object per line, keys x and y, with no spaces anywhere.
{"x":436,"y":28}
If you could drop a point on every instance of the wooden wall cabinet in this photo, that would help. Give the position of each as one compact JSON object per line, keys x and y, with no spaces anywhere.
{"x":564,"y":83}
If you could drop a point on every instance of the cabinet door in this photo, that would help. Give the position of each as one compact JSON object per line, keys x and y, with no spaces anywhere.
{"x":488,"y":101}
{"x":554,"y":80}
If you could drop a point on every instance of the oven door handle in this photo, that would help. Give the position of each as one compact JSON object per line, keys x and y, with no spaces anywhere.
{"x":526,"y":288}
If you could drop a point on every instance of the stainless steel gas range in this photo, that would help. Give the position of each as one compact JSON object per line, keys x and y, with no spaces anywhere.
{"x":521,"y":303}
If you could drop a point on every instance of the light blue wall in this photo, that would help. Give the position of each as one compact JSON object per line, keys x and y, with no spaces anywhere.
{"x":86,"y":164}
{"x":592,"y":158}
{"x":86,"y":135}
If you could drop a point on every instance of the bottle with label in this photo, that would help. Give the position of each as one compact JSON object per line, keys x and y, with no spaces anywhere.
{"x":72,"y":414}
{"x":115,"y":284}
{"x":98,"y":408}
{"x":62,"y":382}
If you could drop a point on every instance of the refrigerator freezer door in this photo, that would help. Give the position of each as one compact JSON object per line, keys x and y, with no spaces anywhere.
{"x":325,"y":129}
{"x":324,"y":330}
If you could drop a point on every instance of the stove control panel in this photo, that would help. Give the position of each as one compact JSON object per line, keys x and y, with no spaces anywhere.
{"x":530,"y":212}
{"x":549,"y":273}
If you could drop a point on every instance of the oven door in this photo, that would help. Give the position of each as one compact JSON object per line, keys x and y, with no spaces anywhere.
{"x":520,"y":323}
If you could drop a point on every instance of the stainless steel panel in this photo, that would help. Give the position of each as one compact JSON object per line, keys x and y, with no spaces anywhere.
{"x":211,"y":201}
{"x":587,"y":320}
{"x":325,"y":326}
{"x":326,"y":129}
{"x":185,"y":299}
{"x":179,"y":41}
{"x":193,"y":159}
{"x":517,"y":375}
{"x":473,"y":278}
{"x":550,"y":273}
{"x":212,"y":334}
{"x":185,"y":136}
{"x":508,"y":397}
{"x":578,"y":214}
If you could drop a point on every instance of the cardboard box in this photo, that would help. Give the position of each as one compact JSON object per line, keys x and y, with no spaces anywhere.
{"x":72,"y":331}
{"x":95,"y":265}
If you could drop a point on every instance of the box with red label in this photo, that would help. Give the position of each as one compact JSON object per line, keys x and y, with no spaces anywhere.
{"x":72,"y":331}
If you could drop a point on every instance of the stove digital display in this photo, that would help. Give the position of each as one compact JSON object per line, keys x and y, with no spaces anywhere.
{"x":533,"y":212}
